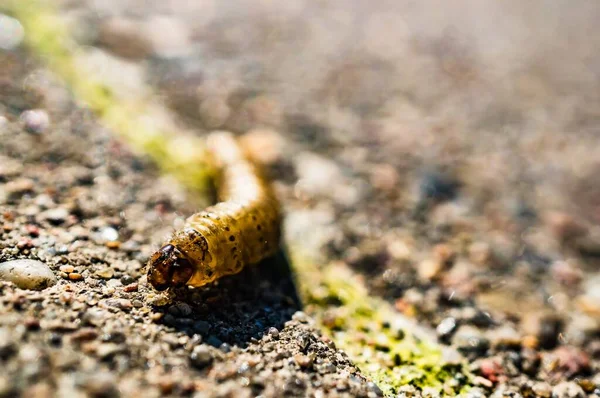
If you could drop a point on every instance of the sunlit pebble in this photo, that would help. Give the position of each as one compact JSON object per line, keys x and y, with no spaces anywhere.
{"x":109,"y":234}
{"x":35,"y":121}
{"x":74,"y":276}
{"x":66,"y":268}
{"x":11,"y":32}
{"x":446,"y":326}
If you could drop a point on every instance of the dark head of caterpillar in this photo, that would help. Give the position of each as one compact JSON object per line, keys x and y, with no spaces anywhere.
{"x":169,"y":267}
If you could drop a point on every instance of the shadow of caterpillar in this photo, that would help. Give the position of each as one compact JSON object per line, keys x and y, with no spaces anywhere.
{"x":242,"y":229}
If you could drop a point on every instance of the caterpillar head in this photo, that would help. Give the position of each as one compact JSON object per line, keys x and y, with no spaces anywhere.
{"x":169,"y":267}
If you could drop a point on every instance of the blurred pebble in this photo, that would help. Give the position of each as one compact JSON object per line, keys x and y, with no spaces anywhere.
{"x":480,"y":253}
{"x":384,"y":177}
{"x":56,"y":216}
{"x":264,"y":145}
{"x":568,"y":389}
{"x":168,"y":36}
{"x":565,"y":227}
{"x":67,"y":268}
{"x":75,"y":276}
{"x":16,"y":188}
{"x":214,"y":112}
{"x":317,"y":174}
{"x":124,"y":38}
{"x":201,"y":356}
{"x":35,"y":121}
{"x":304,"y":361}
{"x":109,"y":234}
{"x":570,"y":361}
{"x":504,"y":338}
{"x":11,"y":32}
{"x":589,"y":300}
{"x":429,"y":268}
{"x":542,"y":390}
{"x":470,"y":341}
{"x":445,"y":329}
{"x":437,"y":186}
{"x":102,"y":384}
{"x":545,"y":327}
{"x":27,"y":274}
{"x":105,"y":273}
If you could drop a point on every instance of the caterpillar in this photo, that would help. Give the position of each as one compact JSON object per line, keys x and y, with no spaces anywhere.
{"x":242,"y":229}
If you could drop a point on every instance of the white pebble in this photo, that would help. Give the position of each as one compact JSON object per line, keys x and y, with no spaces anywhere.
{"x":11,"y":32}
{"x":27,"y":274}
{"x":110,"y":234}
{"x":35,"y":121}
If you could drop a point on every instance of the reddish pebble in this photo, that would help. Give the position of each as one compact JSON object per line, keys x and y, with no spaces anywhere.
{"x":85,"y":334}
{"x":131,"y":288}
{"x":32,"y":230}
{"x":491,"y":369}
{"x":572,"y":361}
{"x":24,"y":243}
{"x":166,"y":385}
{"x":32,"y":323}
{"x":8,"y":216}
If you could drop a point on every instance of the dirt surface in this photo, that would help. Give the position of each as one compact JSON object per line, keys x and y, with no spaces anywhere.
{"x":451,"y":164}
{"x":78,"y":201}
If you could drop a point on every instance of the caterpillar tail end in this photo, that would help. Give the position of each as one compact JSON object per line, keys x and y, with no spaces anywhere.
{"x":168,"y":267}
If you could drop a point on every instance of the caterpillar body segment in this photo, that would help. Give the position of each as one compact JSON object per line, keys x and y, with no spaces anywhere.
{"x":242,"y":229}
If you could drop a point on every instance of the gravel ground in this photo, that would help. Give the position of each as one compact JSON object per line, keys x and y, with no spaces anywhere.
{"x":451,"y":163}
{"x":77,"y":202}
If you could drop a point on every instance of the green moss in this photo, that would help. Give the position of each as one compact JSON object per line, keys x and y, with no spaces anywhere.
{"x":365,"y":327}
{"x":47,"y":36}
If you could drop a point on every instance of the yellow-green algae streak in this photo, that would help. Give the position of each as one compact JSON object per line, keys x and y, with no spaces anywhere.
{"x":139,"y":121}
{"x":364,"y":327}
{"x":386,"y":346}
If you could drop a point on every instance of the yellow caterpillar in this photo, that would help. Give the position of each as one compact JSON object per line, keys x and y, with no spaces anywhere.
{"x":242,"y":229}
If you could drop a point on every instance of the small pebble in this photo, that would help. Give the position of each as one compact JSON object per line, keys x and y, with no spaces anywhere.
{"x":201,"y":356}
{"x":75,"y":276}
{"x":131,"y":288}
{"x":273,"y":332}
{"x":67,"y":268}
{"x":56,"y":216}
{"x":438,"y":186}
{"x":201,"y":327}
{"x":17,"y":188}
{"x":445,"y":328}
{"x":304,"y":361}
{"x":11,"y":32}
{"x":105,"y":273}
{"x":470,"y":341}
{"x":35,"y":121}
{"x":568,"y":389}
{"x":109,"y":234}
{"x":542,"y":390}
{"x":127,"y":279}
{"x":122,"y":304}
{"x":102,"y":384}
{"x":27,"y":274}
{"x":137,"y":303}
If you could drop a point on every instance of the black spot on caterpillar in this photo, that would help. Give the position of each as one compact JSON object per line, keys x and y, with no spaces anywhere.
{"x":242,"y":229}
